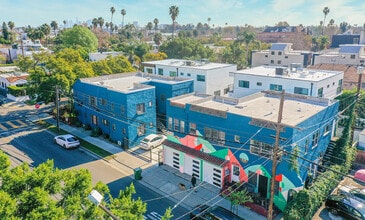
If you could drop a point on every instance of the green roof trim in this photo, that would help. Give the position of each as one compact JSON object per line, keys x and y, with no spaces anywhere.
{"x":220,"y":153}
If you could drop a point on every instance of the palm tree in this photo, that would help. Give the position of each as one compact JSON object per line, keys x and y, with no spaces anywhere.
{"x":95,"y":23}
{"x":11,"y":25}
{"x":326,"y":10}
{"x":64,"y":24}
{"x":246,"y":37}
{"x":123,"y":12}
{"x":54,"y":26}
{"x":209,"y":19}
{"x":174,"y":12}
{"x":112,"y":10}
{"x":149,"y":26}
{"x":155,"y":21}
{"x":101,"y":22}
{"x":157,"y":39}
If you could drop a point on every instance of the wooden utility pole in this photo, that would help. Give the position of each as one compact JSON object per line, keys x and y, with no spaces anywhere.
{"x":275,"y":155}
{"x":58,"y":108}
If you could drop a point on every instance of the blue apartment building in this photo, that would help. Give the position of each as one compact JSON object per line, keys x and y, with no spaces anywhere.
{"x":246,"y":126}
{"x":124,"y":106}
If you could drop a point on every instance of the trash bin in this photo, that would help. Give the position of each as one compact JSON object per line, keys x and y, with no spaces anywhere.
{"x":137,"y":173}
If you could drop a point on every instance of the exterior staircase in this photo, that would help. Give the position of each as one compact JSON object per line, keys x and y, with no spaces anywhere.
{"x":328,"y":156}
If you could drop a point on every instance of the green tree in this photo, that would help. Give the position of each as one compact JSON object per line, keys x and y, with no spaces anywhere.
{"x":174,"y":12}
{"x":168,"y":214}
{"x":186,"y":48}
{"x":4,"y":163}
{"x":125,"y":207}
{"x":7,"y":205}
{"x":154,"y":56}
{"x":95,"y":22}
{"x":234,"y":53}
{"x":343,"y":26}
{"x":11,"y":25}
{"x":238,"y":197}
{"x":123,"y":12}
{"x":79,"y":36}
{"x":112,"y":65}
{"x":326,"y":10}
{"x":247,"y":38}
{"x":5,"y":31}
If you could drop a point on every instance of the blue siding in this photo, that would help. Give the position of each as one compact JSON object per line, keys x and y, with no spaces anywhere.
{"x":119,"y":110}
{"x":239,"y":125}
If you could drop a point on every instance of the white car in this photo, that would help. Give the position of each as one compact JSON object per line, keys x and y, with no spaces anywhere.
{"x":152,"y":141}
{"x":353,"y":192}
{"x":67,"y":141}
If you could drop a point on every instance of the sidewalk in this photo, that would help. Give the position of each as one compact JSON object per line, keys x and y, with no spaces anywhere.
{"x":162,"y":179}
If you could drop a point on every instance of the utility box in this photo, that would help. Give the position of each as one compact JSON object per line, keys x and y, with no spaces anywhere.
{"x":138,"y":173}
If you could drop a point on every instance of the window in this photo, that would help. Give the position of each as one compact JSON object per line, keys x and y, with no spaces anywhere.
{"x":149,"y":70}
{"x":104,"y":102}
{"x":302,"y":91}
{"x":217,"y":93}
{"x":315,"y":138}
{"x":182,"y":127}
{"x":172,"y":73}
{"x":160,"y":71}
{"x":261,"y":148}
{"x":259,"y":83}
{"x":141,"y":130}
{"x":320,"y":92}
{"x":94,"y":119}
{"x":176,"y":124}
{"x":176,"y":160}
{"x":328,"y":86}
{"x":192,"y":128}
{"x":169,"y":125}
{"x":200,"y":78}
{"x":339,"y":87}
{"x":266,"y":55}
{"x":275,"y":87}
{"x":113,"y":127}
{"x":112,"y":106}
{"x":237,"y":138}
{"x":361,"y":61}
{"x":353,"y":56}
{"x":122,"y":110}
{"x":105,"y":122}
{"x":189,"y":74}
{"x":214,"y":135}
{"x":279,"y":61}
{"x":140,"y":108}
{"x":226,"y":90}
{"x":272,"y":61}
{"x":243,"y":84}
{"x":181,"y":74}
{"x":92,"y":101}
{"x":149,"y":104}
{"x":327,"y":129}
{"x":286,"y":57}
{"x":236,"y":170}
{"x":279,"y":53}
{"x":272,"y":52}
{"x":306,"y":146}
{"x":123,"y":131}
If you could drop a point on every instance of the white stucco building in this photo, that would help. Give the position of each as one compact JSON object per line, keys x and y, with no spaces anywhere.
{"x":209,"y":78}
{"x":281,"y":54}
{"x":316,"y":83}
{"x":346,"y":54}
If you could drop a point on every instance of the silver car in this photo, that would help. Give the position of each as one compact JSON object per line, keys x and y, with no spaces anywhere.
{"x":353,"y":192}
{"x":67,"y":141}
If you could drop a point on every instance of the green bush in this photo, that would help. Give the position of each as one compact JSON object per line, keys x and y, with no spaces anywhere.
{"x":17,"y":90}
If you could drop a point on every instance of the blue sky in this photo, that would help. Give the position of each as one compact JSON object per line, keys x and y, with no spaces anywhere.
{"x":232,"y":12}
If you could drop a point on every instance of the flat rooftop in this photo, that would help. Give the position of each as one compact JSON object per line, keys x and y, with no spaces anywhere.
{"x":298,"y":74}
{"x":205,"y":65}
{"x":126,"y":82}
{"x":258,"y":106}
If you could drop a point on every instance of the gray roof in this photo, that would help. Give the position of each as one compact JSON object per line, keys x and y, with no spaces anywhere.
{"x":350,"y":48}
{"x":280,"y":47}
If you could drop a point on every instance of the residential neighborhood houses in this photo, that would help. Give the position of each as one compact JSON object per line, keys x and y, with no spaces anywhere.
{"x":260,"y":122}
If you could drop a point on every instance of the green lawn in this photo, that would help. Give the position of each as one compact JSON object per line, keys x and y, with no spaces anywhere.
{"x":91,"y":147}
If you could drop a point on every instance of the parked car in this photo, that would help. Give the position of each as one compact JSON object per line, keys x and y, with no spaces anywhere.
{"x":67,"y":141}
{"x":346,"y":207}
{"x":213,"y":212}
{"x":152,"y":141}
{"x":353,"y":192}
